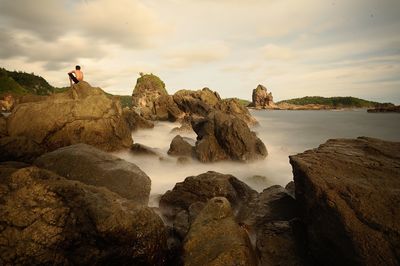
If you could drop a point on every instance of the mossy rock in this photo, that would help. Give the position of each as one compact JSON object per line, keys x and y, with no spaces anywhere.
{"x":149,"y":83}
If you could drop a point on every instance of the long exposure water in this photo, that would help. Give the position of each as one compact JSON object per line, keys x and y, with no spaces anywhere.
{"x":283,"y":132}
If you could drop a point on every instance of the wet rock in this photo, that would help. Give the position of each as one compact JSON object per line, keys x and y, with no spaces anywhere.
{"x":81,"y":115}
{"x":290,"y":187}
{"x":135,"y":121}
{"x":348,"y":191}
{"x":91,"y":166}
{"x":180,"y":147}
{"x":20,"y":149}
{"x":216,"y":239}
{"x":46,"y":219}
{"x":221,"y":137}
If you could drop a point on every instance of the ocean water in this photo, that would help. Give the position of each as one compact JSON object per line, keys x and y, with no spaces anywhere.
{"x":284,"y":133}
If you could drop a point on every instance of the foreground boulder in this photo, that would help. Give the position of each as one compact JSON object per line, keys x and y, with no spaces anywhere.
{"x":92,"y":166}
{"x":180,"y":147}
{"x":81,"y":115}
{"x":235,"y":108}
{"x":216,"y":239}
{"x":20,"y":149}
{"x":48,"y":220}
{"x":348,"y":191}
{"x":224,"y":137}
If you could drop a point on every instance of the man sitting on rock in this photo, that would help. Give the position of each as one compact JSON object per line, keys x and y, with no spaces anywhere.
{"x":78,"y":75}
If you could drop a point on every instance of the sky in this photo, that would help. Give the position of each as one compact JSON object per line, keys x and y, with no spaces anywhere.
{"x":293,"y":47}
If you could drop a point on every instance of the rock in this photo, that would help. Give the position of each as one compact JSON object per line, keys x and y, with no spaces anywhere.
{"x":233,"y":107}
{"x":20,"y":149}
{"x":81,"y":115}
{"x":216,"y":239}
{"x":91,"y":166}
{"x":290,"y":188}
{"x":221,"y":136}
{"x":140,"y":149}
{"x":7,"y":168}
{"x":258,"y":182}
{"x":165,"y":109}
{"x":46,"y":219}
{"x":196,"y":102}
{"x":3,"y":126}
{"x":135,"y":121}
{"x":186,"y":126}
{"x":385,"y":109}
{"x":180,"y":147}
{"x":261,"y":98}
{"x":348,"y":191}
{"x":201,"y":188}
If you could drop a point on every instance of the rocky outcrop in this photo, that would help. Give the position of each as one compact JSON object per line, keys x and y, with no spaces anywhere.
{"x":216,"y":239}
{"x":196,"y":103}
{"x":165,"y":109}
{"x":348,"y":191}
{"x":91,"y":166}
{"x":224,"y":137}
{"x":135,"y":121}
{"x":261,"y":98}
{"x":46,"y":219}
{"x":140,"y":149}
{"x":233,"y":107}
{"x":82,"y":115}
{"x":180,"y":147}
{"x":385,"y":109}
{"x":20,"y":149}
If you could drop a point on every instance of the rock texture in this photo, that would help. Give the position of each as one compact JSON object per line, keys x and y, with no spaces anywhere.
{"x":221,"y":137}
{"x":233,"y":107}
{"x":82,"y":115}
{"x":3,"y":126}
{"x":135,"y":121}
{"x":197,"y":103}
{"x":216,"y":239}
{"x":348,"y":190}
{"x":92,"y":166}
{"x":20,"y":149}
{"x":48,"y":220}
{"x":261,"y":98}
{"x":180,"y":147}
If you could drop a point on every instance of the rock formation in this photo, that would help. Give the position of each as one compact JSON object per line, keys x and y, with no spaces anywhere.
{"x":180,"y":147}
{"x":216,"y":239}
{"x":348,"y":191}
{"x":92,"y":166}
{"x":81,"y":115}
{"x":221,"y":136}
{"x":46,"y":219}
{"x":20,"y":149}
{"x":136,"y":121}
{"x":261,"y":98}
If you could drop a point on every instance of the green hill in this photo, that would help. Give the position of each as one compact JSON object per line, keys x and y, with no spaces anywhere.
{"x":337,"y":102}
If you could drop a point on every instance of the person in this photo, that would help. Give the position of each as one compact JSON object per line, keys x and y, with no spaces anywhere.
{"x":78,"y":75}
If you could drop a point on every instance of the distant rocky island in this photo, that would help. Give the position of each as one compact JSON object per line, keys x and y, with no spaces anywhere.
{"x":65,"y":200}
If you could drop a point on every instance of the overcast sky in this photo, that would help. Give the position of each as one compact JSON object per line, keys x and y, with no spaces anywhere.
{"x":293,"y":47}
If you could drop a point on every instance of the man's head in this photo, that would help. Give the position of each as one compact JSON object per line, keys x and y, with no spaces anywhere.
{"x":77,"y":67}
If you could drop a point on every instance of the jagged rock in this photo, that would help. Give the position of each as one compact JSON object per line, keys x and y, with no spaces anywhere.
{"x":233,"y":107}
{"x":186,"y":126}
{"x":262,"y":98}
{"x":180,"y":147}
{"x":201,"y":188}
{"x":196,"y":102}
{"x":46,"y":219}
{"x":3,"y":126}
{"x":135,"y":121}
{"x":216,"y":239}
{"x":348,"y":191}
{"x":81,"y":115}
{"x":20,"y":149}
{"x":166,"y":109}
{"x":91,"y":166}
{"x":221,"y":136}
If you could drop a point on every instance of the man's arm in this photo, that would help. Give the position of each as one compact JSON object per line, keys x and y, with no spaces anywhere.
{"x":72,"y":71}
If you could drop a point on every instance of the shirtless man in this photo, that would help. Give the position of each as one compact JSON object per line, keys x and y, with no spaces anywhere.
{"x":78,"y":75}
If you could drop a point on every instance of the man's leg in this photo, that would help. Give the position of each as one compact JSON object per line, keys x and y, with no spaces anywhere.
{"x":73,"y":78}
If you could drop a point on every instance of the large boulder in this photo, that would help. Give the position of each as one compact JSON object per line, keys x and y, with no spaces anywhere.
{"x":92,"y":166}
{"x":20,"y":149}
{"x":136,"y":121}
{"x":198,"y":103}
{"x":180,"y":147}
{"x":348,"y":191}
{"x":221,"y":136}
{"x":262,"y":99}
{"x":46,"y":219}
{"x":82,"y":115}
{"x":235,"y":108}
{"x":216,"y":239}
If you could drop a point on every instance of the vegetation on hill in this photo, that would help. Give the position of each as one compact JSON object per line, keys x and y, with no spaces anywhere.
{"x":149,"y":82}
{"x":339,"y":102}
{"x":241,"y":101}
{"x":8,"y":84}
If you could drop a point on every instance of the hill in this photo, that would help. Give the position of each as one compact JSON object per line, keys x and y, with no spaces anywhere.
{"x":335,"y":102}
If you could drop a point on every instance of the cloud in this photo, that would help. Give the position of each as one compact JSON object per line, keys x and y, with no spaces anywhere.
{"x":275,"y":52}
{"x":199,"y":54}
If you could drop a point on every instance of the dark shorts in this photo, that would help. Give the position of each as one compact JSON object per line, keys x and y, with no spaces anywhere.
{"x":73,"y":78}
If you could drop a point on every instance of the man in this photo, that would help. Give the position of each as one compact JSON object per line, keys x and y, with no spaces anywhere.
{"x":78,"y":75}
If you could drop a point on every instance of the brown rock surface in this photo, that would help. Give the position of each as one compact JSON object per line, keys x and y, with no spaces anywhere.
{"x":221,"y":136}
{"x":261,"y":98}
{"x":233,"y":107}
{"x":136,"y":121}
{"x":46,"y":219}
{"x":20,"y":149}
{"x":348,"y":190}
{"x":3,"y":126}
{"x":216,"y":239}
{"x":180,"y":147}
{"x":196,"y":102}
{"x":92,"y":166}
{"x":83,"y":114}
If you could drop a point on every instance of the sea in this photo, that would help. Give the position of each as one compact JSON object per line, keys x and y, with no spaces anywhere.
{"x":284,"y":133}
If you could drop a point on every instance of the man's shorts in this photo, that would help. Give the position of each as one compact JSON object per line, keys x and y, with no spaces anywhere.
{"x":73,"y":78}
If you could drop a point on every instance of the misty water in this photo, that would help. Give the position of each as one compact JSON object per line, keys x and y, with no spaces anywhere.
{"x":283,"y":132}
